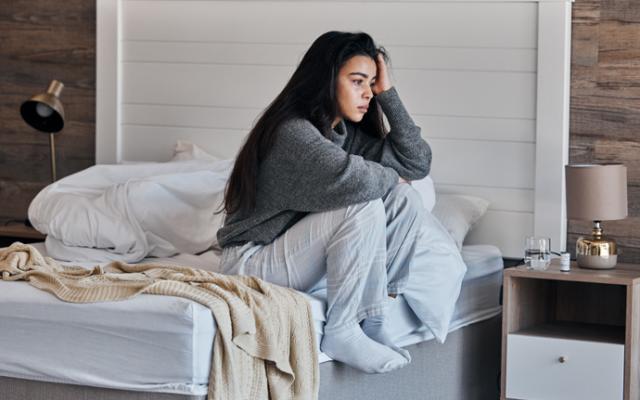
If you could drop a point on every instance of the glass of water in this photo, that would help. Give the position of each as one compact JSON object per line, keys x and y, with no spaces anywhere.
{"x":537,"y":252}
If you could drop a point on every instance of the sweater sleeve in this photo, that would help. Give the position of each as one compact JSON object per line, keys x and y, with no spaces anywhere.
{"x":307,"y":172}
{"x":403,"y":149}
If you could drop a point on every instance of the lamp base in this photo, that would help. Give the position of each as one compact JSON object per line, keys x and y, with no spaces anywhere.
{"x":597,"y":262}
{"x":596,"y":252}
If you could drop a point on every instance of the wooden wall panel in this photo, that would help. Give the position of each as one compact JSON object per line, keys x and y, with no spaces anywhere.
{"x":605,"y":106}
{"x":41,"y":40}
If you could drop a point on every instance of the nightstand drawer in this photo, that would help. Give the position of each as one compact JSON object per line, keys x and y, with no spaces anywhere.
{"x":591,"y":370}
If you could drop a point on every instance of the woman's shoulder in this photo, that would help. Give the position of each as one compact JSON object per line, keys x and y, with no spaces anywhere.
{"x":293,"y":137}
{"x":298,"y":130}
{"x":297,"y":124}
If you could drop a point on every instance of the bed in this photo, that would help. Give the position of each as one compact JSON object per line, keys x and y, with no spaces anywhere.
{"x":496,"y":115}
{"x":164,"y":343}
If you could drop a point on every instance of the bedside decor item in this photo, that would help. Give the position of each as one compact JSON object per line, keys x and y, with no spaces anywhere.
{"x":596,"y":193}
{"x":565,"y":262}
{"x":45,"y":113}
{"x":537,"y":252}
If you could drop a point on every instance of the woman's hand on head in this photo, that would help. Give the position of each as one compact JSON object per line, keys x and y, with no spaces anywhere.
{"x":383,"y":81}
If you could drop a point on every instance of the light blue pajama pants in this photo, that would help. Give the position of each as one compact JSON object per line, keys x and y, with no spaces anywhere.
{"x":365,"y":251}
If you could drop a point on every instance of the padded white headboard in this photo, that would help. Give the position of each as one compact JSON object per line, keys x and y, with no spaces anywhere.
{"x":488,"y":82}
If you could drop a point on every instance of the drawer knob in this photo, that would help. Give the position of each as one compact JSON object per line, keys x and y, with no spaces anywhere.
{"x":562,"y":359}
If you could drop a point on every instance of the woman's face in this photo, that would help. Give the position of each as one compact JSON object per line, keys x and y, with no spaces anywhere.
{"x":353,"y":90}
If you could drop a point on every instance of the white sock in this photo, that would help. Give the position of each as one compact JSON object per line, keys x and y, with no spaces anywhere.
{"x":354,"y":348}
{"x":374,"y":327}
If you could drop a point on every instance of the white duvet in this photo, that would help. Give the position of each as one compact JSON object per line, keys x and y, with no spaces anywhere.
{"x":132,"y":211}
{"x":127,"y":212}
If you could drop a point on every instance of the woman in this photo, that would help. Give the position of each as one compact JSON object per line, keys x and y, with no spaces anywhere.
{"x":319,"y":190}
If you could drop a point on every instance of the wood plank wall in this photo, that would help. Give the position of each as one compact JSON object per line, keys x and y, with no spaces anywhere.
{"x":605,"y":105}
{"x":41,"y":40}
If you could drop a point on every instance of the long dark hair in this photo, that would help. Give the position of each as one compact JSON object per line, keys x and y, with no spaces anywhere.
{"x":309,"y":94}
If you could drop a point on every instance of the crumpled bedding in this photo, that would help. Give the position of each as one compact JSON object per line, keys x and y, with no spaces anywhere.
{"x":131,"y":211}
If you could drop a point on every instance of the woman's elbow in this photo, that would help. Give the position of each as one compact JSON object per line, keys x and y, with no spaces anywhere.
{"x":421,"y":167}
{"x":417,"y":173}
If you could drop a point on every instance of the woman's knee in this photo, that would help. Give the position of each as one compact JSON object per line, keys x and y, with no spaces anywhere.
{"x":403,"y":198}
{"x":367,"y":213}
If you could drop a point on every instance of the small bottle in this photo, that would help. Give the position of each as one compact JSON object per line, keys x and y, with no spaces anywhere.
{"x":565,"y":262}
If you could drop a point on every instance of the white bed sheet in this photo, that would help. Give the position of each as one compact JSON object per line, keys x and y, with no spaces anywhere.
{"x":163,"y":344}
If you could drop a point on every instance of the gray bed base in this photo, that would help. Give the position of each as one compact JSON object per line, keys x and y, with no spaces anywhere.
{"x":465,"y":367}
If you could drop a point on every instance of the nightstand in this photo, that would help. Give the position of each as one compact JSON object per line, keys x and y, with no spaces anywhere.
{"x":571,"y":335}
{"x":18,"y":232}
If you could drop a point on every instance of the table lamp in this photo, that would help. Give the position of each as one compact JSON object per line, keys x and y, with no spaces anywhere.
{"x":45,"y":113}
{"x":596,"y":193}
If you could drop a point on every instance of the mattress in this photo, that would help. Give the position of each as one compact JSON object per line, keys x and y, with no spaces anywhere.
{"x":162,"y":343}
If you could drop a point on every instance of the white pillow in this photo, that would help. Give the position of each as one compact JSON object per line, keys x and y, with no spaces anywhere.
{"x":186,"y":150}
{"x":459,"y":213}
{"x":425,"y":188}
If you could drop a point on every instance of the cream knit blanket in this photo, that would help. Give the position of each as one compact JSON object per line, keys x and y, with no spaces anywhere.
{"x":265,"y":345}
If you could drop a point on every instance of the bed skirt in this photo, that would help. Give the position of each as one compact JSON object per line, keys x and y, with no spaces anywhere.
{"x":466,"y":367}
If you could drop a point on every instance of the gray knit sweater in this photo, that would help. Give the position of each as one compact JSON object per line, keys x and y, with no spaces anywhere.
{"x":304,"y":172}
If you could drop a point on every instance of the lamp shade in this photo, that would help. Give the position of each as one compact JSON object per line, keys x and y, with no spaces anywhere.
{"x":596,"y":192}
{"x":44,"y":111}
